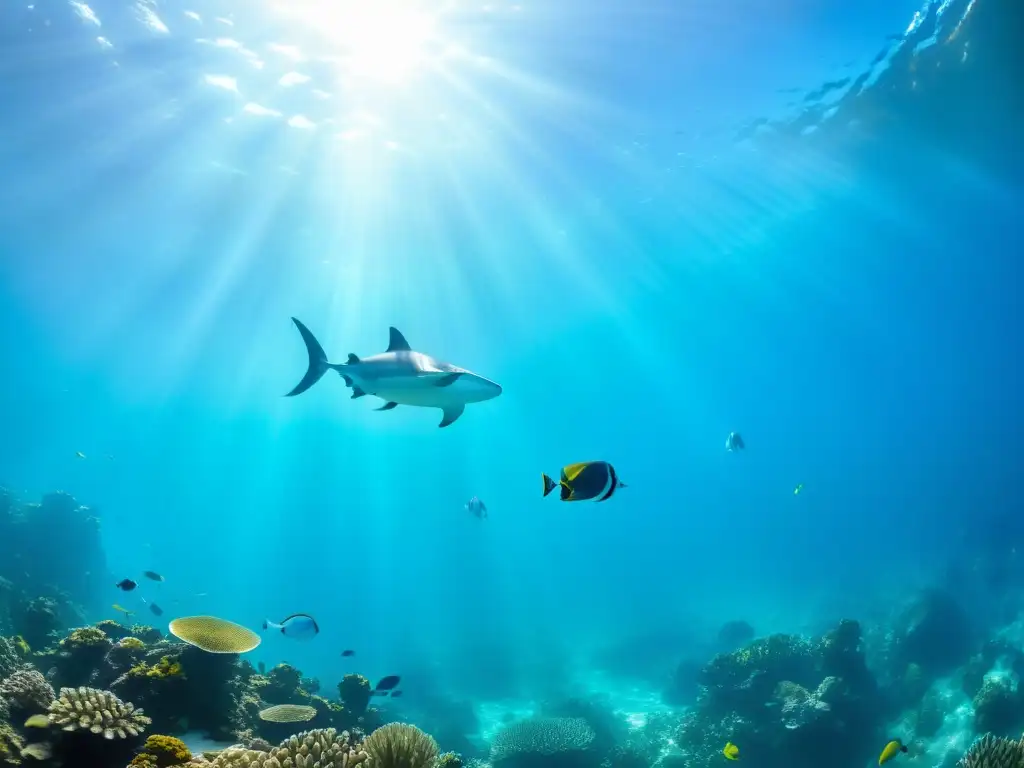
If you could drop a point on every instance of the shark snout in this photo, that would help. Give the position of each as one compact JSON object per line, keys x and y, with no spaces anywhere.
{"x":477,"y":388}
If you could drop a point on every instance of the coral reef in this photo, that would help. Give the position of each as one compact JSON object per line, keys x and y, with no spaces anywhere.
{"x":556,"y":742}
{"x":993,"y":752}
{"x":399,"y":745}
{"x":27,"y":693}
{"x":98,"y":711}
{"x":325,"y":748}
{"x":786,"y":699}
{"x":355,"y":692}
{"x":162,"y":751}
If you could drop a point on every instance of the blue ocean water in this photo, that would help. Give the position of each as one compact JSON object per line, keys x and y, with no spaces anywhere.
{"x":652,"y":223}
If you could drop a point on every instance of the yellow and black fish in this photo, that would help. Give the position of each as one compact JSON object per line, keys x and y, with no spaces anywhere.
{"x":892,"y":749}
{"x":586,"y":481}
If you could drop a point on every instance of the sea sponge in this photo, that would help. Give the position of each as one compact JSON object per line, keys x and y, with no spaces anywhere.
{"x":322,"y":748}
{"x":165,"y":751}
{"x":355,"y":692}
{"x":214,"y":635}
{"x":993,"y":752}
{"x":97,"y":711}
{"x":28,"y":691}
{"x":542,"y":741}
{"x":288,"y":713}
{"x":400,"y":745}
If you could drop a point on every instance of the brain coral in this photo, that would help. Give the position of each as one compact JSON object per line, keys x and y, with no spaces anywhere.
{"x":551,"y":740}
{"x":97,"y":711}
{"x":398,"y":745}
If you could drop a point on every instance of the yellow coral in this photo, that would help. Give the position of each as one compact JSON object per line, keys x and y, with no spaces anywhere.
{"x":166,"y":667}
{"x":132,"y":643}
{"x":167,"y":750}
{"x":22,"y":647}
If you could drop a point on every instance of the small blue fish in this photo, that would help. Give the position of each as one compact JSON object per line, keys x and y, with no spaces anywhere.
{"x":476,"y":508}
{"x":298,"y":626}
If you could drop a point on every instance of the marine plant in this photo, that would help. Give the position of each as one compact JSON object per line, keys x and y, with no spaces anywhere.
{"x":544,"y":741}
{"x":400,"y":745}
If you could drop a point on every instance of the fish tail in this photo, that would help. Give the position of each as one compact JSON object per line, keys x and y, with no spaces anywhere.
{"x":318,"y":364}
{"x":266,"y":624}
{"x":549,"y":484}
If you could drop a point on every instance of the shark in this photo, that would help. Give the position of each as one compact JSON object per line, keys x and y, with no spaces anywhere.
{"x":400,"y":376}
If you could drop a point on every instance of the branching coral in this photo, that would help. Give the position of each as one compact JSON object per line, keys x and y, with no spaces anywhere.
{"x":399,"y":745}
{"x":994,"y":752}
{"x":100,"y":712}
{"x":324,"y":748}
{"x":27,"y":691}
{"x":543,"y":741}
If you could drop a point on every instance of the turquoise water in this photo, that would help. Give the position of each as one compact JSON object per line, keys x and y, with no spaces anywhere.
{"x":650,"y":223}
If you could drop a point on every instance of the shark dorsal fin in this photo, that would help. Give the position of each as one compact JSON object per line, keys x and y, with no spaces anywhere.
{"x":398,"y":342}
{"x":353,"y":359}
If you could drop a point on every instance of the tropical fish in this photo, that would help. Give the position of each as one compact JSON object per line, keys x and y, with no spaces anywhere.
{"x":119,"y":609}
{"x":348,"y":652}
{"x":79,"y":454}
{"x":400,"y":376}
{"x":892,"y":749}
{"x":126,"y":584}
{"x":156,"y":609}
{"x":298,"y":626}
{"x":731,"y":751}
{"x":153,"y":575}
{"x":38,"y":721}
{"x":799,"y":487}
{"x":476,"y":508}
{"x":586,"y":481}
{"x":734,"y":442}
{"x":388,"y":683}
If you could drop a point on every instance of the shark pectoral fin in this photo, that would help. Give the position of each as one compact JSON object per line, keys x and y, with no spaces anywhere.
{"x":357,"y":392}
{"x":387,"y":406}
{"x":447,"y":380}
{"x":348,"y":381}
{"x":451,"y":413}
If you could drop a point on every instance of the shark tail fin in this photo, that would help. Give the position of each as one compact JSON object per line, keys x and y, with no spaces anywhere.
{"x":549,"y":484}
{"x":318,"y":364}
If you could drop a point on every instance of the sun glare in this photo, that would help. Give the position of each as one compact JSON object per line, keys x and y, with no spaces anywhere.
{"x":384,"y":40}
